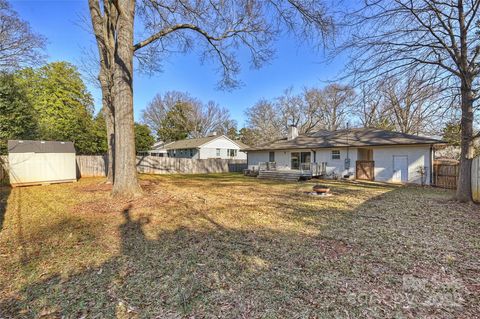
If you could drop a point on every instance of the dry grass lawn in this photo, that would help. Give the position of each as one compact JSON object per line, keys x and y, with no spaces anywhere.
{"x":227,"y":246}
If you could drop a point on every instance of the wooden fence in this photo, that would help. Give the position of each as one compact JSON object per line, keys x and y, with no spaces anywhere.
{"x":476,"y":179}
{"x":445,"y":175}
{"x":92,"y":165}
{"x":89,"y":166}
{"x":3,"y":169}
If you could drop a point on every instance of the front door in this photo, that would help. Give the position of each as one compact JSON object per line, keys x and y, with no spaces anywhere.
{"x":400,"y":168}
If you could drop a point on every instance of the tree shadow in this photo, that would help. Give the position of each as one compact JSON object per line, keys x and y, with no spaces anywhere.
{"x":349,"y":269}
{"x":4,"y":195}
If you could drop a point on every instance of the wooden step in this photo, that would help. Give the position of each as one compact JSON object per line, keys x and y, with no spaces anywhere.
{"x":283,"y":175}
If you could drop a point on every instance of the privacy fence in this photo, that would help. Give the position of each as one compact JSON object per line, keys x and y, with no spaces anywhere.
{"x":89,"y":166}
{"x":445,"y":175}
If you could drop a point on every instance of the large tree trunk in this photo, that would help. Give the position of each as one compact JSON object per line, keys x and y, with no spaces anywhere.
{"x":110,"y":125}
{"x":109,"y":116}
{"x":464,"y":187}
{"x":126,"y":181}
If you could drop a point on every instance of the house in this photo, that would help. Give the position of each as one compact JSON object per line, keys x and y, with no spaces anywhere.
{"x":213,"y":146}
{"x":368,"y":154}
{"x":38,"y":162}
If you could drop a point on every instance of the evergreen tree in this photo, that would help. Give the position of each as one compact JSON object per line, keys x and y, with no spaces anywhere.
{"x":143,"y":137}
{"x":17,"y":116}
{"x":63,"y":105}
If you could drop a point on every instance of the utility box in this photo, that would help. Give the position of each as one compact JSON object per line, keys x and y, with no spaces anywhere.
{"x":41,"y":162}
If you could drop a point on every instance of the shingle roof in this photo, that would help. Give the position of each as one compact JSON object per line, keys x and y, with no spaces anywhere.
{"x":197,"y":142}
{"x":28,"y":146}
{"x":241,"y":144}
{"x":342,"y":138}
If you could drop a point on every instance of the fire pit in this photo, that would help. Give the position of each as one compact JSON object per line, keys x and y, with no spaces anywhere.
{"x":321,"y":189}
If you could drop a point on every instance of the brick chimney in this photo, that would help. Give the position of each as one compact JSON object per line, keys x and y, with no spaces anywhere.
{"x":292,"y":132}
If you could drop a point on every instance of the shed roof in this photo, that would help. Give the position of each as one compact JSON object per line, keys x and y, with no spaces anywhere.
{"x":357,"y":137}
{"x":28,"y":146}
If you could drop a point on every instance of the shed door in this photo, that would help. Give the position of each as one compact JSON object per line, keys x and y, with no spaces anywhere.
{"x":400,"y":168}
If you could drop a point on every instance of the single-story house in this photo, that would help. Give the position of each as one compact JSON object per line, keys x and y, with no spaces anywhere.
{"x":213,"y":146}
{"x":359,"y":153}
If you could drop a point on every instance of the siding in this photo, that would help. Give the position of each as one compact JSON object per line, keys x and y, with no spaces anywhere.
{"x":417,"y":156}
{"x":209,"y":150}
{"x":338,"y":166}
{"x":41,"y":167}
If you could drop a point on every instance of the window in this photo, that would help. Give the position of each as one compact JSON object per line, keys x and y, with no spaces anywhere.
{"x":191,"y":151}
{"x":271,"y":157}
{"x":218,"y":152}
{"x":231,"y":152}
{"x":335,"y":154}
{"x":298,"y":158}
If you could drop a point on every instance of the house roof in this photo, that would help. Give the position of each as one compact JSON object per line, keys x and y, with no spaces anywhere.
{"x":356,"y":137}
{"x":190,"y":142}
{"x":197,"y":142}
{"x":28,"y":146}
{"x":242,"y":145}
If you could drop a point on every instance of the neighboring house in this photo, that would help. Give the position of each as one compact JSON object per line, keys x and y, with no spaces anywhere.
{"x":369,"y":154}
{"x":213,"y":146}
{"x":158,"y":149}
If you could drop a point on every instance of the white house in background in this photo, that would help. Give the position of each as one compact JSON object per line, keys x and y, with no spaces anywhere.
{"x":369,"y":154}
{"x":213,"y":146}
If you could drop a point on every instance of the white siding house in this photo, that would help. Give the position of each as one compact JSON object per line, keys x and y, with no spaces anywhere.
{"x":214,"y":146}
{"x":379,"y":155}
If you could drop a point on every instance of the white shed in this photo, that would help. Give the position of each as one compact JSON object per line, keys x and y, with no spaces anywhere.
{"x":37,"y":162}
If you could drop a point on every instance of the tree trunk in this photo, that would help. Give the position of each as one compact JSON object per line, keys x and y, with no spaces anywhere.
{"x":464,"y":187}
{"x":126,"y":180}
{"x":110,"y":125}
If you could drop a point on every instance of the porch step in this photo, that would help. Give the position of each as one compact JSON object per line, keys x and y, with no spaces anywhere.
{"x":284,"y":175}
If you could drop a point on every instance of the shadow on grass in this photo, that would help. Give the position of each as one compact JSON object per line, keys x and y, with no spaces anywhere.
{"x":4,"y":194}
{"x":353,"y":268}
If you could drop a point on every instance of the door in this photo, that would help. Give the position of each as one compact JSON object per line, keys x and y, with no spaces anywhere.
{"x":400,"y":168}
{"x":295,"y":160}
{"x":365,"y":170}
{"x":298,"y":158}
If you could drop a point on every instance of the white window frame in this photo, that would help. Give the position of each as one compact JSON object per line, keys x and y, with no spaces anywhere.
{"x":336,"y":155}
{"x":232,"y":152}
{"x":218,"y":152}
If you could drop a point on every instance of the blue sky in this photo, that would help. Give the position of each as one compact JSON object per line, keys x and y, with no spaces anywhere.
{"x":295,"y":65}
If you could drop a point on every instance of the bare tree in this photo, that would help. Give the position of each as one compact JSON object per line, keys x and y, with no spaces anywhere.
{"x":217,"y":28}
{"x":265,"y":122}
{"x":337,"y":103}
{"x":196,"y":119}
{"x":19,"y":45}
{"x":438,"y":38}
{"x":412,"y":105}
{"x":370,"y":108}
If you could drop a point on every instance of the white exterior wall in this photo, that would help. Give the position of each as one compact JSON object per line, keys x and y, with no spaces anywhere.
{"x":338,"y":165}
{"x":417,"y":156}
{"x":209,"y":150}
{"x":282,"y":158}
{"x":41,"y":167}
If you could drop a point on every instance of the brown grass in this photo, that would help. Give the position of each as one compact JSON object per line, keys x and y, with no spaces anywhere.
{"x":210,"y":246}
